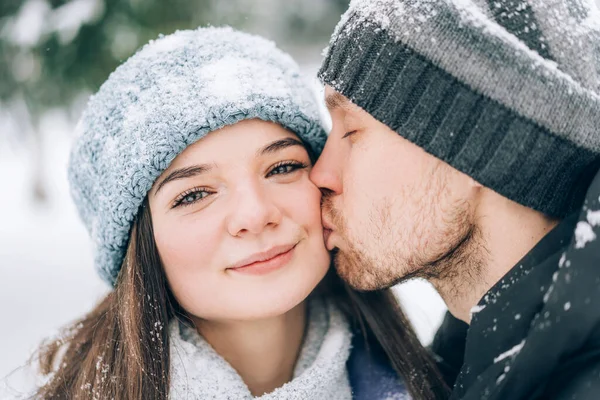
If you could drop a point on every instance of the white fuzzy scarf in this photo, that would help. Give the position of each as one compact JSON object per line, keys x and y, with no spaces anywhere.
{"x":198,"y":372}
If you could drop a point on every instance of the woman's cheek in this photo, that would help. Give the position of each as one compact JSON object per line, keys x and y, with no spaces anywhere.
{"x":187,"y":245}
{"x":304,"y":201}
{"x":191,"y":265}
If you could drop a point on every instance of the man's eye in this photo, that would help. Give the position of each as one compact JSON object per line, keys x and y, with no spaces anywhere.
{"x":348,"y":134}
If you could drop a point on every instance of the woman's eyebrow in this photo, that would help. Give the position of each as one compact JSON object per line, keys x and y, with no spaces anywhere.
{"x":182,"y":173}
{"x":194,"y":170}
{"x":278,"y":145}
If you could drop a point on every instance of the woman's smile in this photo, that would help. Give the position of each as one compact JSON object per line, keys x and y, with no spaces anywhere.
{"x":265,"y":262}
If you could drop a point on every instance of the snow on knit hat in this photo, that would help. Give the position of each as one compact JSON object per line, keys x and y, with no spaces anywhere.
{"x":506,"y":91}
{"x":170,"y":94}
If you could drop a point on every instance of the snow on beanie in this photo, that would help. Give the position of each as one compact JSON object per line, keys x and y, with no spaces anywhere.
{"x":167,"y":96}
{"x":506,"y":91}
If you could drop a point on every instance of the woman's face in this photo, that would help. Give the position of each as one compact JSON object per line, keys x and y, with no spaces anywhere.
{"x":237,"y":223}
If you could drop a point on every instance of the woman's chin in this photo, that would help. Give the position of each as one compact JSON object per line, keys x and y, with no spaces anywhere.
{"x":270,"y":302}
{"x":261,"y":297}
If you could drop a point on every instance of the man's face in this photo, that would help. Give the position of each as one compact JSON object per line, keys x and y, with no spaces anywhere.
{"x":390,"y":210}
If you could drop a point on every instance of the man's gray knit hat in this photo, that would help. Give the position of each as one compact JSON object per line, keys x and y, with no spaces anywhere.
{"x":506,"y":91}
{"x":170,"y":94}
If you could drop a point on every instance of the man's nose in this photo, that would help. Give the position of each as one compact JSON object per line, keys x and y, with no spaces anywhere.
{"x":326,"y":173}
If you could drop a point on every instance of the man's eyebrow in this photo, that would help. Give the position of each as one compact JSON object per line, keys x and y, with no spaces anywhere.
{"x":278,"y":145}
{"x":182,"y":173}
{"x":336,"y":100}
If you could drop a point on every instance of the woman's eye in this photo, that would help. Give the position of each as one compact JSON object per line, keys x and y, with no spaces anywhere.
{"x":191,"y":197}
{"x":286,"y":168}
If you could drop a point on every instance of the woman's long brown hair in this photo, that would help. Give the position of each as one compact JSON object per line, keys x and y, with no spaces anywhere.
{"x":120,"y":350}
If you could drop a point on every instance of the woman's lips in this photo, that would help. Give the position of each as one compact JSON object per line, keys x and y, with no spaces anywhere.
{"x":266,"y":262}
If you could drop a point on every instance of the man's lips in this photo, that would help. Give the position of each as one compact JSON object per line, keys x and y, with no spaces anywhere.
{"x":326,"y":234}
{"x":326,"y":224}
{"x":327,"y":231}
{"x":263,"y":257}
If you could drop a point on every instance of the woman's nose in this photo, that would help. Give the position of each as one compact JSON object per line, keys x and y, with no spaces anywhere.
{"x":252,"y":211}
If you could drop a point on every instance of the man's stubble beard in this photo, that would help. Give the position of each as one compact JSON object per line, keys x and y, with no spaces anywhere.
{"x":456,"y":268}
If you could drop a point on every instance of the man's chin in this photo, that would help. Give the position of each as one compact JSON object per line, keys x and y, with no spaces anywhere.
{"x":360,"y":274}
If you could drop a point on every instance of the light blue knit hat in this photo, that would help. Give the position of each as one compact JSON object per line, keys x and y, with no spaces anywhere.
{"x":171,"y":93}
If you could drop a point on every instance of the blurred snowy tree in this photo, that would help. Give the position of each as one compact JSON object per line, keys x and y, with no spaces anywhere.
{"x":53,"y":53}
{"x":52,"y":50}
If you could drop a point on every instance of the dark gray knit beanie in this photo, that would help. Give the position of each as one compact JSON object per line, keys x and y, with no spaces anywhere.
{"x":506,"y":91}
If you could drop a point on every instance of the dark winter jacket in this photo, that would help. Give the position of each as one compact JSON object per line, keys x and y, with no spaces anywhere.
{"x":371,"y":375}
{"x":537,"y":334}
